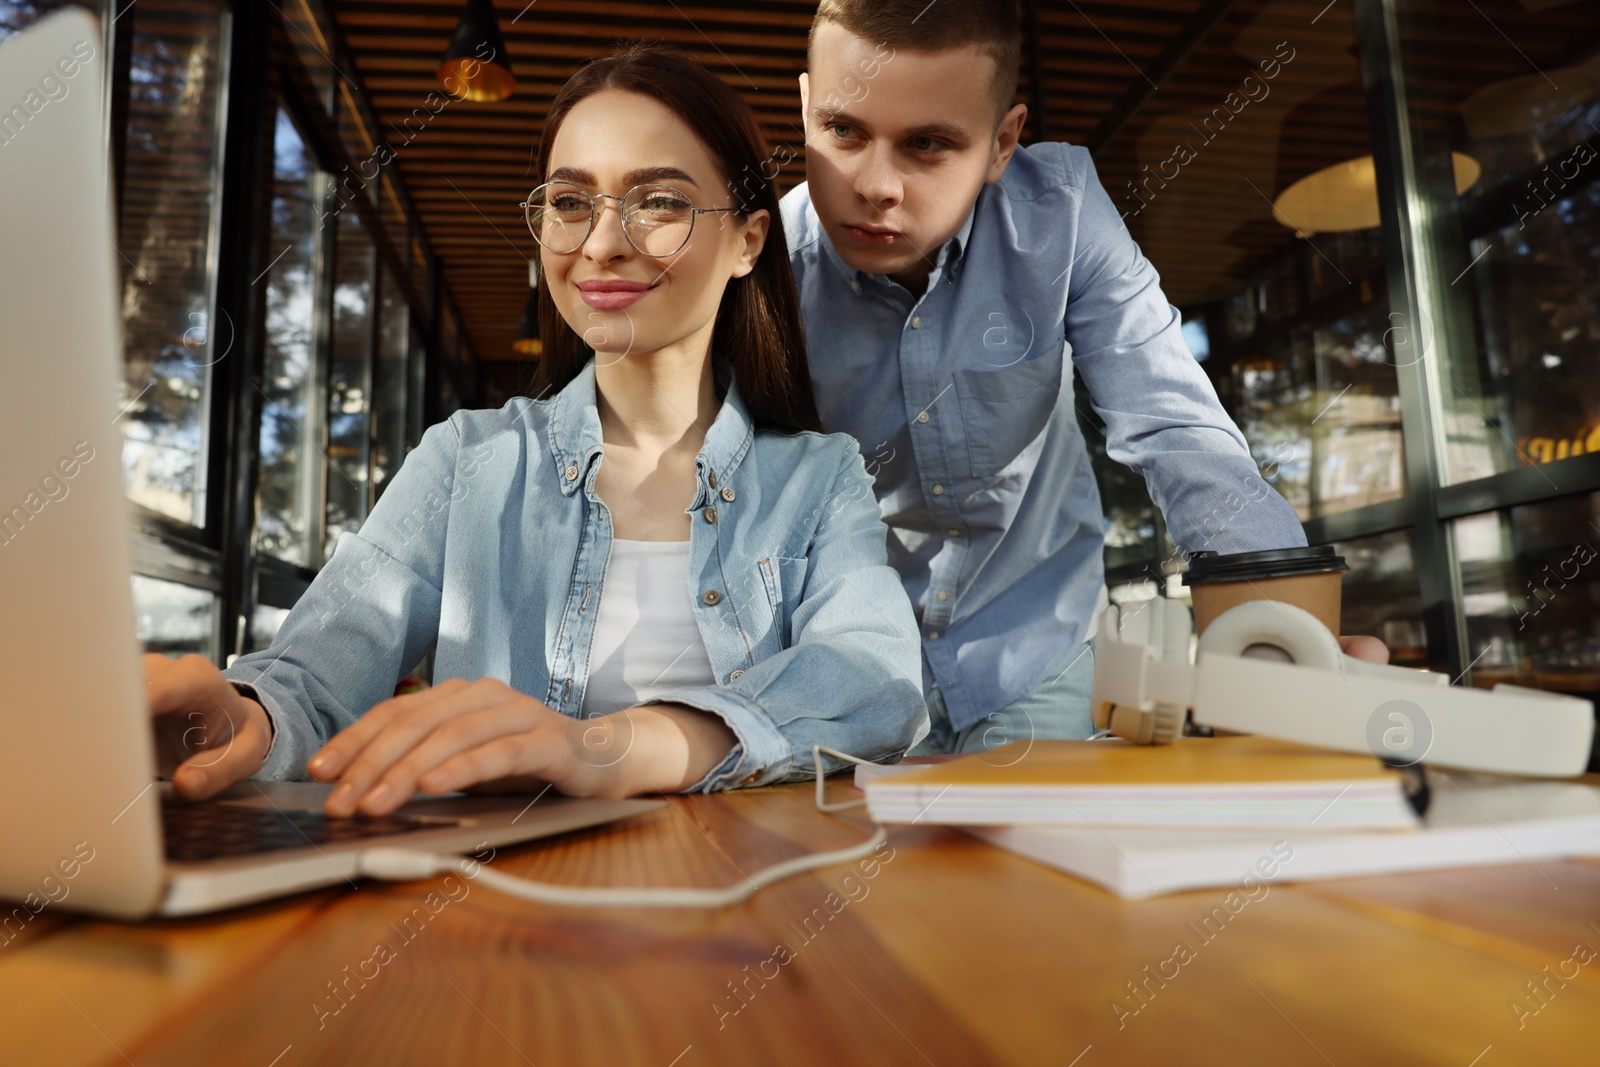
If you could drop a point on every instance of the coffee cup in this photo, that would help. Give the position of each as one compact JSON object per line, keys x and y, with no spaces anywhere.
{"x":1309,"y":578}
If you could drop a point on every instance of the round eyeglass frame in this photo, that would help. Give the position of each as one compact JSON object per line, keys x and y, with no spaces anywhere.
{"x":532,"y":204}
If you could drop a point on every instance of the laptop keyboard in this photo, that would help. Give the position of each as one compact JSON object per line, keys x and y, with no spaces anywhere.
{"x":208,"y":830}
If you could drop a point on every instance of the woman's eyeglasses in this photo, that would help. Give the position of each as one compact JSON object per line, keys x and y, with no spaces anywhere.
{"x":656,"y":219}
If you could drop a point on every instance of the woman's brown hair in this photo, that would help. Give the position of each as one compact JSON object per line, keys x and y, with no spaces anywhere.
{"x":758,"y":334}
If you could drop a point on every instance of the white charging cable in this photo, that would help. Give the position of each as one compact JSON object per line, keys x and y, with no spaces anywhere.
{"x":406,"y":865}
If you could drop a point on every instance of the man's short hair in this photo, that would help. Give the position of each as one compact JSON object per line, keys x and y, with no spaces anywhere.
{"x":992,"y":25}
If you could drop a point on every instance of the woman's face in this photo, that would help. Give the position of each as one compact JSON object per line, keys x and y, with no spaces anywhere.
{"x":609,"y":143}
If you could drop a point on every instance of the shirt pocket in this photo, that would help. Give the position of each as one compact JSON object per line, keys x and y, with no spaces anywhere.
{"x":784,"y":578}
{"x":1003,"y":409}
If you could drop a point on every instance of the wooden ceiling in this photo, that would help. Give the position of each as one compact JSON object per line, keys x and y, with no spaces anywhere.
{"x":1125,"y":78}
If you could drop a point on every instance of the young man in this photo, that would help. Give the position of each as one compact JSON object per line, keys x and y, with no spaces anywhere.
{"x":945,"y":277}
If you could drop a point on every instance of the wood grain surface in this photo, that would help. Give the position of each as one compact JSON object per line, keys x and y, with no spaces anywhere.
{"x":943,"y":951}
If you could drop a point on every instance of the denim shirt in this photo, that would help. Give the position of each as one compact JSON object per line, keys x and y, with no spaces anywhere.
{"x":965,"y":409}
{"x":491,"y":541}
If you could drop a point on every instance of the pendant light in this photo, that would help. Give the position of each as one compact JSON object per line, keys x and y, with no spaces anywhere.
{"x":476,"y":66}
{"x":1325,"y":183}
{"x":1344,"y":196}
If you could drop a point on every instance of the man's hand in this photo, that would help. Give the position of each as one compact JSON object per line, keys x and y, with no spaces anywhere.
{"x":462,"y":734}
{"x":1368,"y":648}
{"x":208,"y":734}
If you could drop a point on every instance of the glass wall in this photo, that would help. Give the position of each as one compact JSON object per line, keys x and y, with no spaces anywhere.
{"x":174,"y":619}
{"x":349,"y":380}
{"x":169,"y":203}
{"x":289,"y":496}
{"x":389,"y":374}
{"x":451,"y":386}
{"x":1371,"y":305}
{"x":1510,"y":287}
{"x":1530,"y":580}
{"x":1382,"y":596}
{"x":1511,"y":91}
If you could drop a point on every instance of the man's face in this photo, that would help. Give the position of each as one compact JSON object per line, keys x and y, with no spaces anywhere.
{"x":898,"y":145}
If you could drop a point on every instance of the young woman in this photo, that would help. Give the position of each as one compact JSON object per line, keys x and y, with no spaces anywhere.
{"x":661,"y":576}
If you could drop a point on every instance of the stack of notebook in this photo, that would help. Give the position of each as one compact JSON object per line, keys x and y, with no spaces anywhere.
{"x":1142,"y":820}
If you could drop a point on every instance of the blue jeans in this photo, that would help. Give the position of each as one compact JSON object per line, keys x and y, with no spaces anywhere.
{"x":1057,"y":709}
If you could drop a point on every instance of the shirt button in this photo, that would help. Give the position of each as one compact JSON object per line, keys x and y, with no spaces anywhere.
{"x":922,"y":416}
{"x":955,"y":531}
{"x":572,"y":473}
{"x":712,"y":597}
{"x":728,"y":494}
{"x":711,"y":514}
{"x":711,"y":478}
{"x":855,"y":285}
{"x":942,"y":595}
{"x":938,"y":490}
{"x":933,"y":635}
{"x":735,"y":674}
{"x":916,"y":322}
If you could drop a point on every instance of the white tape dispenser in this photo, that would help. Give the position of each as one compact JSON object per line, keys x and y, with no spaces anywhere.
{"x":1296,"y":683}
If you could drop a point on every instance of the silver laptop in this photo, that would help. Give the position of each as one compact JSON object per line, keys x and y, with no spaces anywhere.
{"x":84,"y":825}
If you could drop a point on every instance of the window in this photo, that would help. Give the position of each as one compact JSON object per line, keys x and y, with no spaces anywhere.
{"x":1382,"y":596}
{"x":1518,"y":257}
{"x":419,"y":264}
{"x":1530,"y":579}
{"x":170,"y":200}
{"x":174,"y":619}
{"x":349,"y":380}
{"x":290,"y":494}
{"x":389,"y":373}
{"x":1130,"y":517}
{"x":264,"y":625}
{"x":394,"y":220}
{"x":450,"y":363}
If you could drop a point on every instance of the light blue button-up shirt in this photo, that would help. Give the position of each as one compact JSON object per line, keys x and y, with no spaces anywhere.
{"x":964,"y":411}
{"x":491,"y":542}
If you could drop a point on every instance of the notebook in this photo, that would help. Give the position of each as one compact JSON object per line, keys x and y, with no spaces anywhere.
{"x":1214,"y":783}
{"x":1473,"y":820}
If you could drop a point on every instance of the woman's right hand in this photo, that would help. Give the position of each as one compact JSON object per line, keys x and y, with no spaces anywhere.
{"x":208,"y":734}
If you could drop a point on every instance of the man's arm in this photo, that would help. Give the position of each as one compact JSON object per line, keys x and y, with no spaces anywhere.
{"x":1162,"y":415}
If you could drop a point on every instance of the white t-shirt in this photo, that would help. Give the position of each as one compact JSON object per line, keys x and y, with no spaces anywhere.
{"x":645,"y":639}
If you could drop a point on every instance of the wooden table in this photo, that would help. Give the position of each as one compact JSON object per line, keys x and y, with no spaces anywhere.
{"x":951,"y":953}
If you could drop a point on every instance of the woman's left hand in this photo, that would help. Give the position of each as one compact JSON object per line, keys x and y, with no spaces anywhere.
{"x":459,"y":734}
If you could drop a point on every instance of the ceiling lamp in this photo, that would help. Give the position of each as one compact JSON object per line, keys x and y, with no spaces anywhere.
{"x":528,"y":342}
{"x":475,"y":66}
{"x":1344,"y":197}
